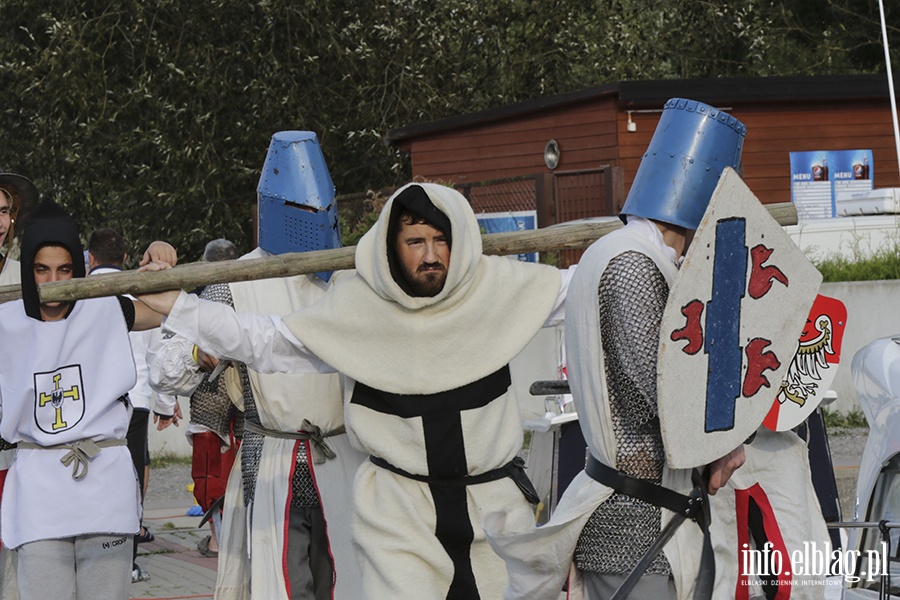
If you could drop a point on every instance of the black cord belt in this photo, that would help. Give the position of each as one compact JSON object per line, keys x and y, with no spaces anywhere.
{"x":514,"y":469}
{"x":643,"y":489}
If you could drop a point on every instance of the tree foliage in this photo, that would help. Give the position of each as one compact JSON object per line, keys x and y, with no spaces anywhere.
{"x":155,"y":117}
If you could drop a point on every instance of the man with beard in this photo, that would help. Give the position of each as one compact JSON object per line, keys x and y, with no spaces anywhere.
{"x":422,"y":333}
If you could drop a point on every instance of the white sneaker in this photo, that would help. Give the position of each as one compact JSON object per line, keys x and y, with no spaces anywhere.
{"x":138,"y":574}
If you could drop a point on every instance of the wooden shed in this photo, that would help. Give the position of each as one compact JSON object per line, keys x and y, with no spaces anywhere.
{"x":497,"y":156}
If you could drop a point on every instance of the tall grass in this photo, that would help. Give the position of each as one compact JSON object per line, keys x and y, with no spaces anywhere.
{"x":863,"y":264}
{"x":854,"y":419}
{"x":882,"y":264}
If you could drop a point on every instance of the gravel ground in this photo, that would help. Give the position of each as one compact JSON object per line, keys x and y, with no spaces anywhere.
{"x":847,"y":444}
{"x":169,"y":483}
{"x":846,"y":452}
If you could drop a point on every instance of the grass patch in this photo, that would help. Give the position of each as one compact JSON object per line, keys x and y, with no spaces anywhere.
{"x":884,"y":263}
{"x":850,"y":420}
{"x":154,"y":552}
{"x":162,"y":461}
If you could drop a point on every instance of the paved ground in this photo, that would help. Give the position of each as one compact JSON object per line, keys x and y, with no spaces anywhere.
{"x":178,"y":571}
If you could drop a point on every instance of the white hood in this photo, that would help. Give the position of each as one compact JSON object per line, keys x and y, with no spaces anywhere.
{"x":368,"y":328}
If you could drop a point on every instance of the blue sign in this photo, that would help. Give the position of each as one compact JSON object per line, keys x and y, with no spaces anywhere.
{"x":501,"y":222}
{"x":817,"y":177}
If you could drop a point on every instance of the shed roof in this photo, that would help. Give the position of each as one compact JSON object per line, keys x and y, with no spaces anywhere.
{"x":635,"y":95}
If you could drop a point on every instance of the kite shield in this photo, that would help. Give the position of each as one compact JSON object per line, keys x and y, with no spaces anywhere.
{"x":730,"y":327}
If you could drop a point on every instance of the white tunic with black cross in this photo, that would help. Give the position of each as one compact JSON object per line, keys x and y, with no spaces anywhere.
{"x":62,"y":382}
{"x":427,"y":390}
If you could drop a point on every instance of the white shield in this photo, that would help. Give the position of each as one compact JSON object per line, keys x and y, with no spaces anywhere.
{"x":813,"y":367}
{"x":58,"y":399}
{"x":730,"y":327}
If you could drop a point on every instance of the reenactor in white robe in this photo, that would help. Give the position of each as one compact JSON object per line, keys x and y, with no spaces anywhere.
{"x":639,"y":514}
{"x":615,"y":306}
{"x":422,"y":333}
{"x":71,"y":504}
{"x":285,"y":532}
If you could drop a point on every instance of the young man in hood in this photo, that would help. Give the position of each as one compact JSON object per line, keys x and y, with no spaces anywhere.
{"x":422,"y":333}
{"x":71,"y":503}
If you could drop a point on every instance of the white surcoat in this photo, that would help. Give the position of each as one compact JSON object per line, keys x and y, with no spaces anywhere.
{"x":284,"y":402}
{"x":426,"y":389}
{"x":61,"y":383}
{"x":539,"y":559}
{"x":253,"y":538}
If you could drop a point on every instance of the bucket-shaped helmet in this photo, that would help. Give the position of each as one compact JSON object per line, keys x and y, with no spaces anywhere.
{"x":692,"y":145}
{"x":297,"y":208}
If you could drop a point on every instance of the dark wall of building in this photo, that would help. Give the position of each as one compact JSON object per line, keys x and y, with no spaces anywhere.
{"x":587,"y":136}
{"x":594,"y":132}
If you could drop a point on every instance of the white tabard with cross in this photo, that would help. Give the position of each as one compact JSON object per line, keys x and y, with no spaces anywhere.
{"x":730,"y":327}
{"x":62,"y":382}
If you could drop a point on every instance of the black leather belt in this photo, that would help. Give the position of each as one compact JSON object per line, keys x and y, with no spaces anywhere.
{"x":514,"y":469}
{"x":643,"y":489}
{"x":685,"y":507}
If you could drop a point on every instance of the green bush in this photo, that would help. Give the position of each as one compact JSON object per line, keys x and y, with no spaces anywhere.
{"x":851,"y":420}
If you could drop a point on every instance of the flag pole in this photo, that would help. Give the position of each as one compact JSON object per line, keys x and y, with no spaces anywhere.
{"x":890,"y":78}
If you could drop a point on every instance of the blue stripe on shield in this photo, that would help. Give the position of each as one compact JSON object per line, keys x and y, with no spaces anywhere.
{"x":723,"y":323}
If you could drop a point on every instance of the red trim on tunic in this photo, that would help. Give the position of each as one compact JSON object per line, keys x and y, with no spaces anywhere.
{"x":773,"y":533}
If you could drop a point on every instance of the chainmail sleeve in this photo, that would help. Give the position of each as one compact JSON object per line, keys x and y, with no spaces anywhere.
{"x":631,"y":295}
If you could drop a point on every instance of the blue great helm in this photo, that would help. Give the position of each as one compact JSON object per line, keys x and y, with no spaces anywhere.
{"x":692,"y":145}
{"x":297,"y":210}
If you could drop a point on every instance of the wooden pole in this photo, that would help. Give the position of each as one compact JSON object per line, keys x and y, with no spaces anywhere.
{"x":192,"y":275}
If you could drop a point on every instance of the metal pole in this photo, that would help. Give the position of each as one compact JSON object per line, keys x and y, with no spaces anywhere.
{"x":890,"y":76}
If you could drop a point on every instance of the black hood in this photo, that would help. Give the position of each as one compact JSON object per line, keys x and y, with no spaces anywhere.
{"x":48,"y":224}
